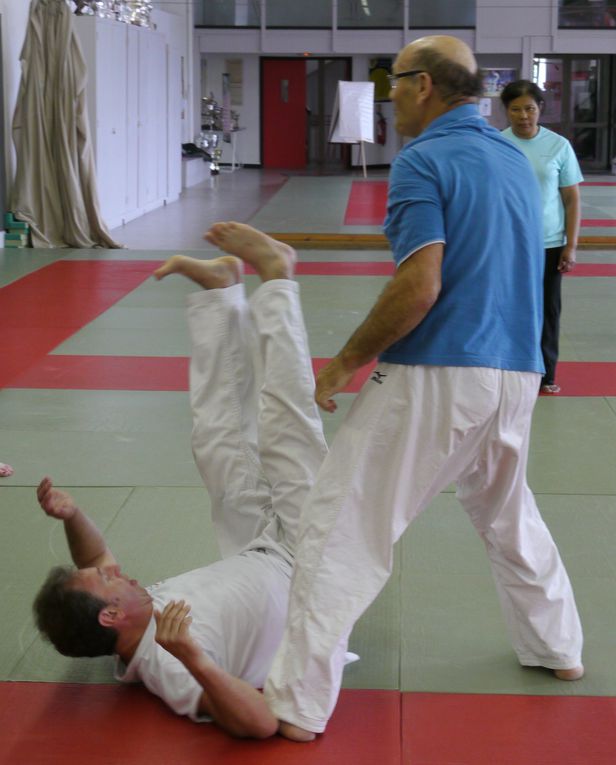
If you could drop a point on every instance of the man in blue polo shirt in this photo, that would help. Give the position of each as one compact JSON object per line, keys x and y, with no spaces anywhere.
{"x":457,"y":332}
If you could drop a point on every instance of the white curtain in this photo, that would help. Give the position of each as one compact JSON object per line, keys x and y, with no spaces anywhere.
{"x":55,"y":184}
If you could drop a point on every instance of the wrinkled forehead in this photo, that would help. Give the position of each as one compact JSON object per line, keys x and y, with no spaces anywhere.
{"x":524,"y":100}
{"x":403,"y":61}
{"x":83,"y":579}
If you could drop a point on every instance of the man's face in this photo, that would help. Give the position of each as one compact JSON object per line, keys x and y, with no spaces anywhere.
{"x":109,"y":584}
{"x":404,"y":92}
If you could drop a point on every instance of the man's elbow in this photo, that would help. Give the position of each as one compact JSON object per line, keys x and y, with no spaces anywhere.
{"x":427,"y":297}
{"x":259,"y":729}
{"x":267,"y":730}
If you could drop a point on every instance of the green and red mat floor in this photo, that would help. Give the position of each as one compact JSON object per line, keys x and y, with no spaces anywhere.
{"x":93,"y":384}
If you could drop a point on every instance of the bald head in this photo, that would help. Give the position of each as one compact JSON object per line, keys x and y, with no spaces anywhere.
{"x":450,"y":64}
{"x":443,"y":46}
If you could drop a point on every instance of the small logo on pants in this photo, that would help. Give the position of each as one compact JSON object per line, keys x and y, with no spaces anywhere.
{"x":377,"y":377}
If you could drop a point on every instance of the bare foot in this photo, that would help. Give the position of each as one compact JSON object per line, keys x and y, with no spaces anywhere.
{"x":270,"y":259}
{"x":294,"y":733}
{"x":209,"y":274}
{"x":5,"y":470}
{"x":550,"y":390}
{"x":570,"y":674}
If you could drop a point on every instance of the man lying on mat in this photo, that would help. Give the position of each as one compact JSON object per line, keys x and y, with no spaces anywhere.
{"x":204,"y":641}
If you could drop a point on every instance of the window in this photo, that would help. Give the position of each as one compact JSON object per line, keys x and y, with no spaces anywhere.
{"x":587,"y":14}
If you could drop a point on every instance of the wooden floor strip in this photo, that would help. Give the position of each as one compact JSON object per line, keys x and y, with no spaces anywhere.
{"x":304,"y":240}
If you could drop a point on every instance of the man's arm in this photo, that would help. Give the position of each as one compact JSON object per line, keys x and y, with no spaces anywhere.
{"x":402,"y":305}
{"x":86,"y":543}
{"x":234,"y":705}
{"x":571,"y":201}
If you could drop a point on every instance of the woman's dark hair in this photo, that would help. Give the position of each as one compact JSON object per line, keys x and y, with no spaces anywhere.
{"x":522,"y":88}
{"x":453,"y":81}
{"x":68,"y":617}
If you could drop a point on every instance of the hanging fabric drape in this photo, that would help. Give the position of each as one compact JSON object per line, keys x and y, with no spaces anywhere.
{"x":55,"y":183}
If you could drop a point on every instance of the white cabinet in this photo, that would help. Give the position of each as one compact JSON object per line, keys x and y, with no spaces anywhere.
{"x":134,"y":132}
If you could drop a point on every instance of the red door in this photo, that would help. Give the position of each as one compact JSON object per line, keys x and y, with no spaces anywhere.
{"x":284,"y":113}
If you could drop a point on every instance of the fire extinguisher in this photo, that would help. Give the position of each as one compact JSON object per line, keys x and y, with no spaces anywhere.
{"x":381,"y":128}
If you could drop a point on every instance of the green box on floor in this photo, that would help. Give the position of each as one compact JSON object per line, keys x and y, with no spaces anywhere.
{"x":10,"y":222}
{"x":14,"y":237}
{"x":14,"y":246}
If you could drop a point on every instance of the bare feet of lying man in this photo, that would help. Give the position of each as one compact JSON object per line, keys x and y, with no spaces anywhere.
{"x":270,"y":258}
{"x":210,"y":274}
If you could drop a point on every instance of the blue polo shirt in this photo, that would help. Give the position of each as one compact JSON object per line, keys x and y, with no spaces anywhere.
{"x":462,"y":183}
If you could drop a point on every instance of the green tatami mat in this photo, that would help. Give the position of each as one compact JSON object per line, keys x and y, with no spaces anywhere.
{"x":588,"y":319}
{"x":150,"y":321}
{"x":95,"y":411}
{"x":98,"y":438}
{"x":377,"y":639}
{"x":573,"y":446}
{"x":454,"y":634}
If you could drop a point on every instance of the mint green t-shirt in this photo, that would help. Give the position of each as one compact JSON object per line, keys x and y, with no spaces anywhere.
{"x":555,"y":165}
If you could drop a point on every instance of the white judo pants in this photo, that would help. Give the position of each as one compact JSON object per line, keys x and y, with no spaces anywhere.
{"x":257,"y":434}
{"x":409,"y":434}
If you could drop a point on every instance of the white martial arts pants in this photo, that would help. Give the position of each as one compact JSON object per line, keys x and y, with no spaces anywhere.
{"x":257,"y":434}
{"x":411,"y":432}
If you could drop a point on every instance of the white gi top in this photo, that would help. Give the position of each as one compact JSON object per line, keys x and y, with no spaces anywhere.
{"x":238,"y":609}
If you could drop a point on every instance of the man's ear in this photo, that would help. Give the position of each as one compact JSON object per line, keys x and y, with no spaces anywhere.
{"x":426,"y":86}
{"x":110,"y":616}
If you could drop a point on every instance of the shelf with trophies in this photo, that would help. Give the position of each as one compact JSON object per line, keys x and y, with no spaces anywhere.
{"x":218,"y":126}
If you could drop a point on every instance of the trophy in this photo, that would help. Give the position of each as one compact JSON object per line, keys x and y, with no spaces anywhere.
{"x":209,"y":141}
{"x":129,"y":11}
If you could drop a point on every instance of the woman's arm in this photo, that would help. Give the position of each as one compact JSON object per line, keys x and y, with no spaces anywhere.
{"x":571,"y":201}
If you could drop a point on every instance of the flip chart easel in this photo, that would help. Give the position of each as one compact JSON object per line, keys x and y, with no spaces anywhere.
{"x":353,"y":116}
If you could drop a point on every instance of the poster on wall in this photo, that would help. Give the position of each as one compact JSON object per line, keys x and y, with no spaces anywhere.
{"x":379,"y":69}
{"x":495,"y":80}
{"x":234,"y":67}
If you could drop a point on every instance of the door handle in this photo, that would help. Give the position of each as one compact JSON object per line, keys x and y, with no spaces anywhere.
{"x":284,"y":91}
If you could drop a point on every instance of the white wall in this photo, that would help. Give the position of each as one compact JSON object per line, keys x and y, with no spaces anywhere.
{"x":504,"y":27}
{"x":175,"y":20}
{"x":14,"y":23}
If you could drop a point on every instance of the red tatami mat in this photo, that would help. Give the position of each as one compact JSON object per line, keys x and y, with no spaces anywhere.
{"x":106,"y":373}
{"x":367,"y":203}
{"x":367,"y":206}
{"x":586,"y":378}
{"x":461,"y":729}
{"x":576,"y":378}
{"x":593,"y":269}
{"x":126,"y":373}
{"x":41,"y":310}
{"x":113,"y":725}
{"x":610,"y":222}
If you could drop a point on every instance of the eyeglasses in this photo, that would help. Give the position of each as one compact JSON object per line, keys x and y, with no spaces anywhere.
{"x":393,"y":78}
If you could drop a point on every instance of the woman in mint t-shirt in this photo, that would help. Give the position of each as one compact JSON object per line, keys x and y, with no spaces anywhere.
{"x":559,"y":175}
